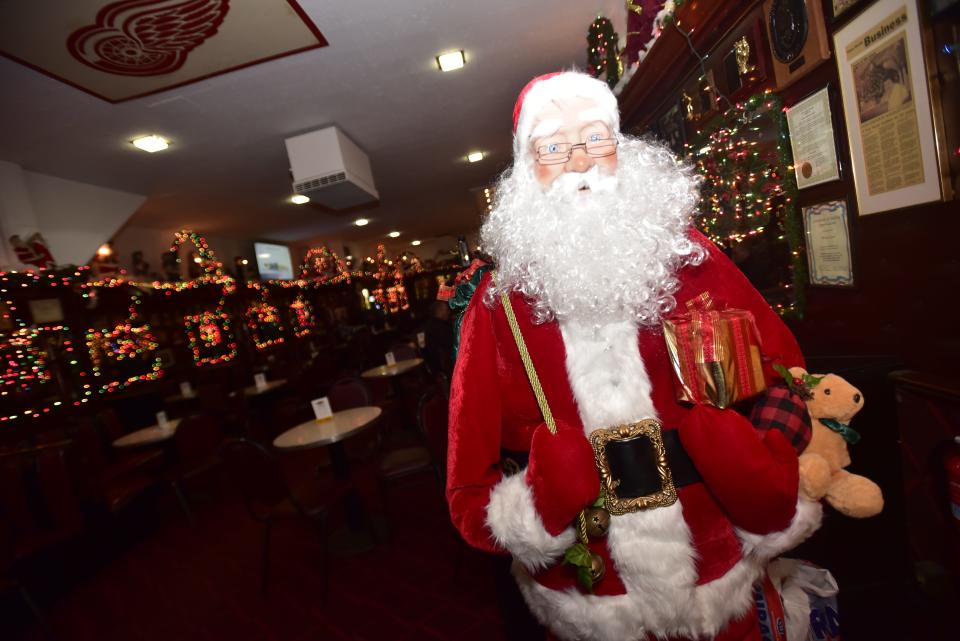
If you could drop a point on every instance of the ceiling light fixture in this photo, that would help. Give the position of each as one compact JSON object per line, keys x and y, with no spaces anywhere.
{"x":475,"y":156}
{"x":360,"y":222}
{"x":151,"y":144}
{"x":104,"y":250}
{"x":450,"y":60}
{"x":415,"y":243}
{"x":394,"y":234}
{"x":299,"y":199}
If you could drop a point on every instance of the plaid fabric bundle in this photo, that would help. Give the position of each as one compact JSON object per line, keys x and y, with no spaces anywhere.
{"x":780,"y":409}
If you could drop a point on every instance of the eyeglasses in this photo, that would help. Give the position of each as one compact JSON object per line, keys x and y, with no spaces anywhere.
{"x":557,"y":153}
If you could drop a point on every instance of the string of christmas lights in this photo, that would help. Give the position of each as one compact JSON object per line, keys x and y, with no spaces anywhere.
{"x":25,"y":369}
{"x":750,"y":186}
{"x":301,"y":312}
{"x":603,"y":55}
{"x":263,"y":321}
{"x":324,"y":265}
{"x":209,"y":338}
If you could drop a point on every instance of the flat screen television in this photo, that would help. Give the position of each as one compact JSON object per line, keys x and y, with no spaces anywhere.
{"x":273,"y":261}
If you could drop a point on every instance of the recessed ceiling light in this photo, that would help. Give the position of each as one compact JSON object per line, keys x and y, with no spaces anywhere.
{"x":360,"y":222}
{"x":394,"y":234}
{"x":151,"y":144}
{"x":415,"y":243}
{"x":450,"y":61}
{"x":475,"y":156}
{"x":299,"y":199}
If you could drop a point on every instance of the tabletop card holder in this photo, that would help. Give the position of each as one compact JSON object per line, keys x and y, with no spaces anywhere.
{"x":321,"y":408}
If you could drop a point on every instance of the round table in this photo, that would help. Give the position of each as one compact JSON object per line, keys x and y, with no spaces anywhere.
{"x":388,"y":371}
{"x":333,"y":432}
{"x":341,"y":426}
{"x":148,"y":435}
{"x":253,"y":390}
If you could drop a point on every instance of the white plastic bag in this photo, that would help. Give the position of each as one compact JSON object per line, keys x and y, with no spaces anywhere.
{"x":809,"y":595}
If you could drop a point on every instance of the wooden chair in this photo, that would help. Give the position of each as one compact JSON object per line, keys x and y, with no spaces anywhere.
{"x":108,"y":483}
{"x":398,"y":464}
{"x":349,"y":392}
{"x":196,"y":441}
{"x":256,"y":473}
{"x":38,"y":510}
{"x":403,"y":351}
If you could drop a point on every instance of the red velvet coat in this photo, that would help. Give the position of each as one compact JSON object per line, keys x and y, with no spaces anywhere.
{"x":492,"y":407}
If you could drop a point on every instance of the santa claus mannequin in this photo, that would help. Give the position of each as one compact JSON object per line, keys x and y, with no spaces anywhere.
{"x":591,"y":235}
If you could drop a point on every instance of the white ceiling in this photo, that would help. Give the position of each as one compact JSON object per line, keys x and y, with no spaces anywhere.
{"x":227,"y":173}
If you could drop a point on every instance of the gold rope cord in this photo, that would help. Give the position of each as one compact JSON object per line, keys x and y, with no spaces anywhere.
{"x":527,"y":363}
{"x":537,"y":390}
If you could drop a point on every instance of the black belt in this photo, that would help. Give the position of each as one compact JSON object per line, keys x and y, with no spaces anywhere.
{"x":632,"y":462}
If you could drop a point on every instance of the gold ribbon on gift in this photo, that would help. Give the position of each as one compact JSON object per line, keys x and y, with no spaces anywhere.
{"x":715,"y":353}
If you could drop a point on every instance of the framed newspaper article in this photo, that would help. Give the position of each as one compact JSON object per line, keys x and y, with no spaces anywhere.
{"x":886,"y":105}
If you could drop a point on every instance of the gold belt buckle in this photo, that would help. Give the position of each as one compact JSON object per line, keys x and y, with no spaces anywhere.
{"x":647,"y":428}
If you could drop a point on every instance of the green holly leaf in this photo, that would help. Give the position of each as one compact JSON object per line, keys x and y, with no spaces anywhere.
{"x":811,"y":381}
{"x":585,"y":578}
{"x":600,"y":501}
{"x":578,"y":555}
{"x":785,"y":373}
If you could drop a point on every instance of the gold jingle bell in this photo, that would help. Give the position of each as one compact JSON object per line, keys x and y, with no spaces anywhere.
{"x":597,"y":567}
{"x":598,"y":522}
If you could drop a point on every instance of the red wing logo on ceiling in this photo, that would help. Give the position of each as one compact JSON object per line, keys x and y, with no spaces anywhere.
{"x":123,"y":49}
{"x":146,"y":37}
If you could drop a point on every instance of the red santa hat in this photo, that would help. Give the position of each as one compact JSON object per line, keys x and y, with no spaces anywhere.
{"x":559,"y":85}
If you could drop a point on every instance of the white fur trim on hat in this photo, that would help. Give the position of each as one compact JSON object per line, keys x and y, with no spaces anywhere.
{"x":565,"y":85}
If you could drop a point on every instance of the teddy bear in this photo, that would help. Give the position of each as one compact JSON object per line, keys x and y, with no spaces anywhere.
{"x":831,"y":403}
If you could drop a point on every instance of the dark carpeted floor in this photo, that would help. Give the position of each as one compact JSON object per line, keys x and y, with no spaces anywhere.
{"x":148,"y":575}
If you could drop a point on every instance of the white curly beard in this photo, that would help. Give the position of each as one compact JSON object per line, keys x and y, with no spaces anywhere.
{"x":611,"y":252}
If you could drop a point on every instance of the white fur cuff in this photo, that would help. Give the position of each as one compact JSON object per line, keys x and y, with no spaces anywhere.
{"x":806,"y":521}
{"x":516,"y":525}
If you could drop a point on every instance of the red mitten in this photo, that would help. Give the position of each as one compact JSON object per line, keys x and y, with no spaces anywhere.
{"x":755,"y":480}
{"x":562,"y":475}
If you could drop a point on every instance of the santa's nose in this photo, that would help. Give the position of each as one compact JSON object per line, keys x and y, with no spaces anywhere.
{"x":580,"y":161}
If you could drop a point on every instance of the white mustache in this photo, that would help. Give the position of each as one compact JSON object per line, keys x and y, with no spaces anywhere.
{"x":569,"y":184}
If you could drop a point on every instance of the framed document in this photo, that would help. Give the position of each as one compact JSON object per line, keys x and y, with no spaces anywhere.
{"x":672,"y":128}
{"x":883,"y":81}
{"x":812,"y":141}
{"x":828,"y":244}
{"x":841,"y":6}
{"x":798,"y":37}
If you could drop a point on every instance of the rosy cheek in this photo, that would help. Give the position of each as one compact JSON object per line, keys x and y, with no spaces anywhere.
{"x":546,"y":174}
{"x":608,"y":163}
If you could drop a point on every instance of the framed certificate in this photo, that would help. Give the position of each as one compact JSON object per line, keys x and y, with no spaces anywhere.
{"x":812,"y":141}
{"x":828,"y":244}
{"x":883,"y":80}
